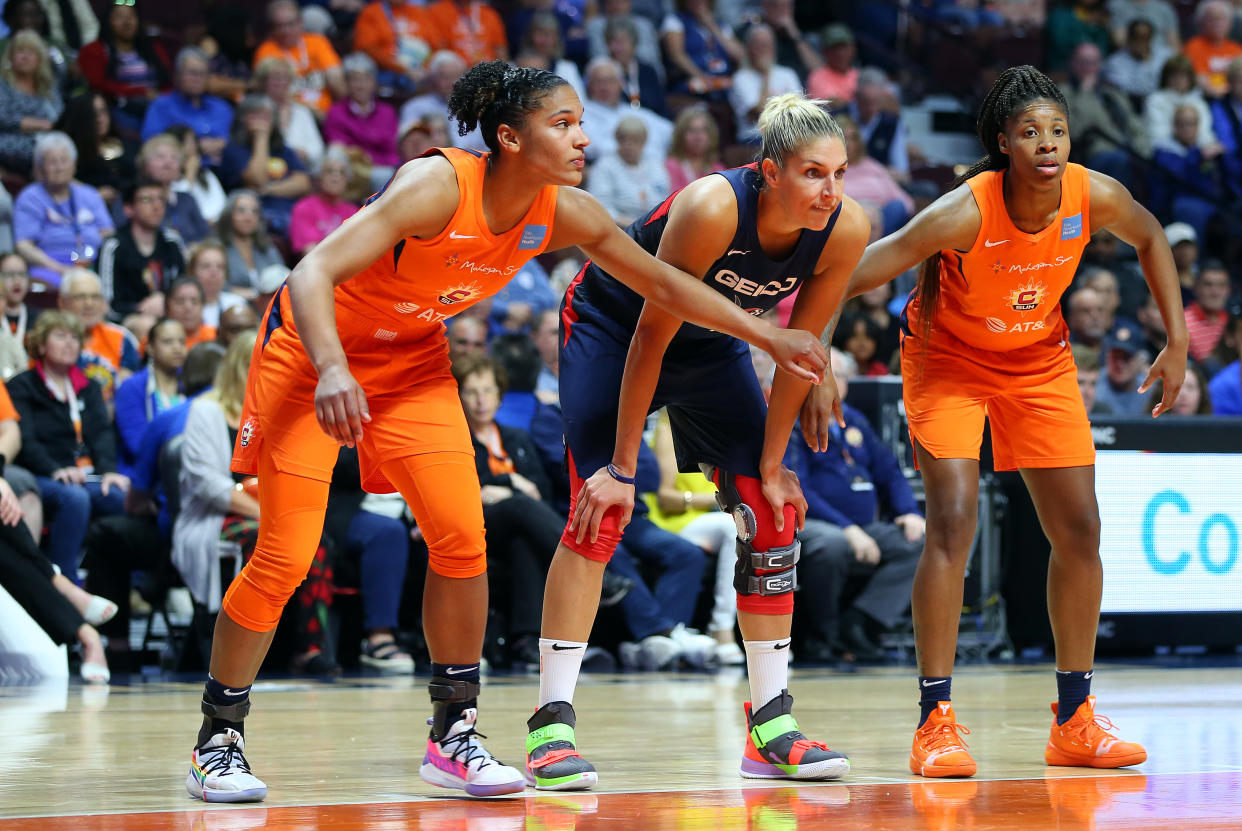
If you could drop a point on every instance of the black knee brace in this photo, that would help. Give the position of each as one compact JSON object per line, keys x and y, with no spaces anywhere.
{"x":765,"y":573}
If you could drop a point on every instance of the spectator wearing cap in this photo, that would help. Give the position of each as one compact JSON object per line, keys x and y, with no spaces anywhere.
{"x":1184,"y":243}
{"x":837,"y":79}
{"x":443,"y":70}
{"x":1124,"y":360}
{"x":210,"y":117}
{"x":322,"y":212}
{"x":1206,"y":317}
{"x":1226,"y":390}
{"x":418,"y":135}
{"x":759,"y":78}
{"x":362,"y":122}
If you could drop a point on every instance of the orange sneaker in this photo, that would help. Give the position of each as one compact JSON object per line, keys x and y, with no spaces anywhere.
{"x":1084,"y":741}
{"x":938,"y":748}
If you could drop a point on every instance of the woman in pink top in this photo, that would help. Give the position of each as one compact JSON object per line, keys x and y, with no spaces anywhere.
{"x":317,"y":215}
{"x":837,"y":80}
{"x":358,"y":120}
{"x":870,"y":183}
{"x":695,"y":150}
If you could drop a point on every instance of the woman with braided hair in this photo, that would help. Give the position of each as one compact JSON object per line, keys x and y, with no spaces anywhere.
{"x":352,"y":351}
{"x":983,"y":337}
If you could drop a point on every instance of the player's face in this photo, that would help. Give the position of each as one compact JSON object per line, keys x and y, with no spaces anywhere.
{"x":553,"y":141}
{"x":1037,"y":142}
{"x":812,"y":182}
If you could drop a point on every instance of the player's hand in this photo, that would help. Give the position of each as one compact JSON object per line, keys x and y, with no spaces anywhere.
{"x":821,"y":407}
{"x":1169,"y":367}
{"x":912,"y":525}
{"x":524,"y":485}
{"x":341,"y":405}
{"x":782,"y":488}
{"x":598,"y":495}
{"x":113,"y":480}
{"x":491,"y":494}
{"x":10,"y":508}
{"x":865,"y":549}
{"x":799,"y":353}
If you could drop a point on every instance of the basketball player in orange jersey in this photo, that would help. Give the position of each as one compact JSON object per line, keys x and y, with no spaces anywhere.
{"x":352,"y":351}
{"x":983,"y":336}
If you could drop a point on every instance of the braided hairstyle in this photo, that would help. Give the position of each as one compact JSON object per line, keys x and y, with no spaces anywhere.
{"x":495,"y":92}
{"x":1015,"y":89}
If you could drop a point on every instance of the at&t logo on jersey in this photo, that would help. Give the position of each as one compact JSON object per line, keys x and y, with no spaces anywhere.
{"x":460,"y":294}
{"x":1000,"y":327}
{"x":1025,"y":298}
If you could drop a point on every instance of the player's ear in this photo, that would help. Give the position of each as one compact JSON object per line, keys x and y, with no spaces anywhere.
{"x":1002,"y":141}
{"x":508,"y":139}
{"x":770,"y":170}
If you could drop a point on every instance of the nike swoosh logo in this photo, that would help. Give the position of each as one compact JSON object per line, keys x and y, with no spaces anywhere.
{"x":736,"y":251}
{"x":455,"y":235}
{"x":234,"y":693}
{"x":459,"y":671}
{"x":783,"y":645}
{"x":987,"y":243}
{"x":559,"y":648}
{"x":932,"y":683}
{"x":1088,"y":675}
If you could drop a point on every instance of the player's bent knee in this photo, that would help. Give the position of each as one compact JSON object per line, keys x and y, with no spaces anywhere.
{"x":765,"y":574}
{"x":457,"y":565}
{"x":256,"y":604}
{"x":600,"y":551}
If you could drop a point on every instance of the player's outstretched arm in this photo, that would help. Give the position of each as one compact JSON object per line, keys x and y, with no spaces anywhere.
{"x":582,"y":221}
{"x":418,"y":202}
{"x":952,"y":221}
{"x":1114,"y":208}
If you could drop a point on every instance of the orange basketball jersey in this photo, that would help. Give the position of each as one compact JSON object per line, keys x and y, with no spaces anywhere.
{"x":406,"y":295}
{"x":1005,"y":292}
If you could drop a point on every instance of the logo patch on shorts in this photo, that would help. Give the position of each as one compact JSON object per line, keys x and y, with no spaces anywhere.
{"x":385,"y":334}
{"x":247,"y":432}
{"x":532,"y":237}
{"x":1071,"y":227}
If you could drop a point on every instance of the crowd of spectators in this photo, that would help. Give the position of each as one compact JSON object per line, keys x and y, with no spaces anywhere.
{"x":164,"y":169}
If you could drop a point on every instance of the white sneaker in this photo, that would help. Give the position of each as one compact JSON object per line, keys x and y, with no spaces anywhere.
{"x":729,"y":654}
{"x":652,"y":653}
{"x":461,"y":761}
{"x":695,"y":648}
{"x":219,"y":771}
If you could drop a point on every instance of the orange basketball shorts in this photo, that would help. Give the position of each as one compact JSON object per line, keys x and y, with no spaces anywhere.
{"x":1029,"y":396}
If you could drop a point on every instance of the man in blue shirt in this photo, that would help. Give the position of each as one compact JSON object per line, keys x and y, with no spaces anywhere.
{"x":208,"y":116}
{"x":845,"y":488}
{"x":1226,"y":390}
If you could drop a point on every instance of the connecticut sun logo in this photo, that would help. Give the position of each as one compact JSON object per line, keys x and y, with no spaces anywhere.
{"x":460,"y":294}
{"x":247,"y":432}
{"x":1025,"y":298}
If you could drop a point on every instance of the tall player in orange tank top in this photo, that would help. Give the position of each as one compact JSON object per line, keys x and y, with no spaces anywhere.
{"x":985,"y":337}
{"x":352,"y":351}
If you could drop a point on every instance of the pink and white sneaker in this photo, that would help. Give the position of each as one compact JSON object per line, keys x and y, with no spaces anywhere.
{"x":461,"y":761}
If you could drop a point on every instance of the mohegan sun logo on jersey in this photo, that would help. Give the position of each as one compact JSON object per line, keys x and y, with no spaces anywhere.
{"x":1027,"y":297}
{"x":460,"y":294}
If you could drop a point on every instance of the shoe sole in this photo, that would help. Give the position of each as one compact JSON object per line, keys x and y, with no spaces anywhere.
{"x":1055,"y":757}
{"x":584,"y":781}
{"x":942,"y":771}
{"x":209,"y":795}
{"x":827,"y":769}
{"x":434,"y":776}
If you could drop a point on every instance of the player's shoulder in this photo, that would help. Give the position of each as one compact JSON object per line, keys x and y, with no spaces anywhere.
{"x":710,"y":203}
{"x":426,"y":180}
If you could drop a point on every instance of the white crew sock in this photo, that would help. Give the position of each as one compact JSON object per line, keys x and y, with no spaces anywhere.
{"x":559,"y":663}
{"x":767,"y":664}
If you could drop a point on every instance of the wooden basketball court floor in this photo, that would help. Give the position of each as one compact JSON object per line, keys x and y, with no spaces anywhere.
{"x":345,"y":755}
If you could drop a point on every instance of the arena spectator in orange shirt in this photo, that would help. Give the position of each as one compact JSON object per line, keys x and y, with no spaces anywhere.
{"x":471,"y":28}
{"x":399,"y":36}
{"x":318,"y":66}
{"x":1211,"y":50}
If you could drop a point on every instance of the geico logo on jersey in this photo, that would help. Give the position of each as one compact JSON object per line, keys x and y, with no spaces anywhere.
{"x":1025,"y":298}
{"x":741,"y":285}
{"x":1000,"y":327}
{"x":459,"y":294}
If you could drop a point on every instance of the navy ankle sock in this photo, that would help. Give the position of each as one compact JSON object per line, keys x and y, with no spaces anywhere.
{"x":216,"y":693}
{"x":1072,"y":690}
{"x":457,"y":672}
{"x":932,"y":690}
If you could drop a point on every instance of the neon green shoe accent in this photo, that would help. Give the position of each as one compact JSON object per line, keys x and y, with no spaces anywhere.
{"x":544,"y":782}
{"x":761,"y":734}
{"x":556,"y":732}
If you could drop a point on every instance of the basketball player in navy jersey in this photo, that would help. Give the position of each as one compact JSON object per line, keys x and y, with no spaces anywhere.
{"x":755,"y":234}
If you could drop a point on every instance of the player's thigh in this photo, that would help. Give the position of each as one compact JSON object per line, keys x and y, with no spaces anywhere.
{"x":1040,"y":421}
{"x":442,"y":490}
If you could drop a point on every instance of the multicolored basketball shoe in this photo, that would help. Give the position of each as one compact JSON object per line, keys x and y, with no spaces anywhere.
{"x":553,"y":762}
{"x":219,"y":771}
{"x":938,"y":749}
{"x":459,"y":760}
{"x":776,"y":748}
{"x":1084,"y":741}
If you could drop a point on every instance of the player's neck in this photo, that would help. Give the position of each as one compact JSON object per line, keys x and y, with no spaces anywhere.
{"x":508,"y":194}
{"x":1031,"y":208}
{"x":777,"y":233}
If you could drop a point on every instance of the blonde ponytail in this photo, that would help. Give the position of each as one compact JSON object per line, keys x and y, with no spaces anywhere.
{"x":791,"y":121}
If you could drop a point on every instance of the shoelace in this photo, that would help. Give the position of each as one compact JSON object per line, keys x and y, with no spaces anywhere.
{"x":1099,"y":723}
{"x":226,"y":759}
{"x":472,"y":749}
{"x":554,"y":756}
{"x":948,"y":735}
{"x":808,"y":744}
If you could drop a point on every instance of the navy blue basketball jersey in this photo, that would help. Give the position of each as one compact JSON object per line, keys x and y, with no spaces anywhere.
{"x":745,"y":274}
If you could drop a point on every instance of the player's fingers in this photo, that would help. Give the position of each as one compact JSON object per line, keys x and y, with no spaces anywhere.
{"x":353,"y":418}
{"x":839,"y":414}
{"x":1167,"y":400}
{"x":778,"y":513}
{"x":1147,"y":382}
{"x":576,"y":516}
{"x":800,"y":506}
{"x":340,"y":417}
{"x":627,"y":516}
{"x":364,"y":410}
{"x":585,"y":512}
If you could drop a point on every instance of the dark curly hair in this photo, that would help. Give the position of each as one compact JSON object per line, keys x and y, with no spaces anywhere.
{"x":1015,"y":89}
{"x":493,"y":93}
